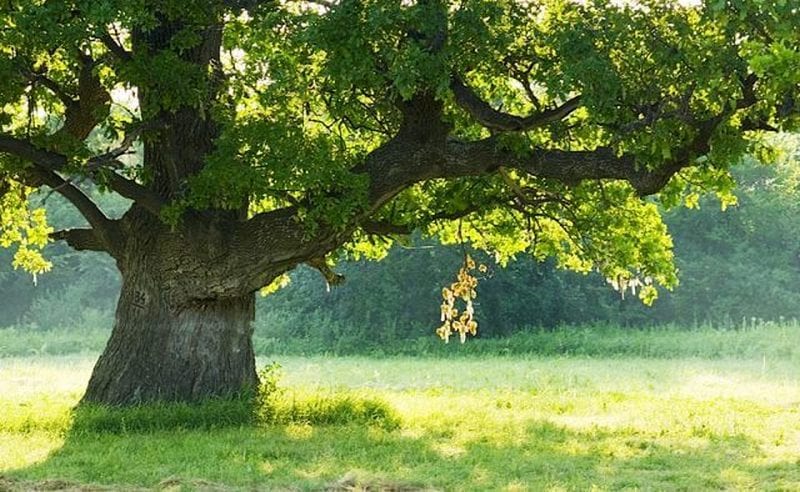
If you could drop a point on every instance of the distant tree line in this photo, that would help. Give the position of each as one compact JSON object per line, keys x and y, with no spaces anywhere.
{"x":734,"y":266}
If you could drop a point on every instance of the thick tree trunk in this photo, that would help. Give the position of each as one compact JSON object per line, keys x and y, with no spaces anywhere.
{"x":186,"y":354}
{"x":176,"y":337}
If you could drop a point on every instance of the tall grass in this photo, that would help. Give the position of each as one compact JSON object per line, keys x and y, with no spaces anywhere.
{"x":25,"y":341}
{"x":753,"y":339}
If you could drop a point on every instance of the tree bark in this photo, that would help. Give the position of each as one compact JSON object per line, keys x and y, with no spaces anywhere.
{"x":167,"y":345}
{"x":188,"y":354}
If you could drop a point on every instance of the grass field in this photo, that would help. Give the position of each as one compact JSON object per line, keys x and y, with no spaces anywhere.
{"x":402,"y":423}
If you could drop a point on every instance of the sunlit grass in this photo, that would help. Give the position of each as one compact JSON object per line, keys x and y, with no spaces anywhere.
{"x":490,"y":423}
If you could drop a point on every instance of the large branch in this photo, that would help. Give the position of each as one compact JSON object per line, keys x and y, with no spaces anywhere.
{"x":45,"y":164}
{"x":80,"y":239}
{"x":92,"y":104}
{"x":569,"y":167}
{"x":31,"y":153}
{"x":107,"y":236}
{"x":393,"y":168}
{"x":115,"y":47}
{"x":274,"y":241}
{"x":73,"y":194}
{"x":400,"y":164}
{"x":50,"y":161}
{"x":83,"y":114}
{"x":499,"y":121}
{"x":421,"y":151}
{"x":148,"y":199}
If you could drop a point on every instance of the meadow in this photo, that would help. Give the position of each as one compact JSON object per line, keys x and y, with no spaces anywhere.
{"x":602,"y":409}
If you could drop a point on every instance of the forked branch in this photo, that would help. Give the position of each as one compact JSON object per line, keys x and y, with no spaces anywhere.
{"x":499,"y":121}
{"x":53,"y":162}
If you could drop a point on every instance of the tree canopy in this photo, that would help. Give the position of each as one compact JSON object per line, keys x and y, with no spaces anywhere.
{"x":558,"y":115}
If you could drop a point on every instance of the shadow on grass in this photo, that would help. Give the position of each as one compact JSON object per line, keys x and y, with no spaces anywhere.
{"x":245,"y":411}
{"x":356,"y":443}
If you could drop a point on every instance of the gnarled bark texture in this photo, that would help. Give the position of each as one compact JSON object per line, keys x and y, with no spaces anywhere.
{"x":169,"y":342}
{"x":159,"y":352}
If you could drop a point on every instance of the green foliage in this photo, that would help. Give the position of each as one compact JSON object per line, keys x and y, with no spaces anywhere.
{"x":302,"y":92}
{"x":24,"y":228}
{"x":268,"y":392}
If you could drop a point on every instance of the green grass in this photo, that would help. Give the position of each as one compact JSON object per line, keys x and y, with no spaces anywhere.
{"x":401,"y":423}
{"x":753,"y":340}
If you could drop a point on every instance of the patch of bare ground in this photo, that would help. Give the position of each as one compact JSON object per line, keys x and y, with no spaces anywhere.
{"x":351,"y":483}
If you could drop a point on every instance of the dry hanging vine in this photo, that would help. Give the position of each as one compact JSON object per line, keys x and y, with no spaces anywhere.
{"x":463,"y":288}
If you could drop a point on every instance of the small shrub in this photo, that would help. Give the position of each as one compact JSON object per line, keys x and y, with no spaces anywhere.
{"x":276,"y":406}
{"x":341,"y":408}
{"x":269,"y":392}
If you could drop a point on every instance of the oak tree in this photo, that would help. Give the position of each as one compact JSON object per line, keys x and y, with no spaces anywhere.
{"x":253,"y":136}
